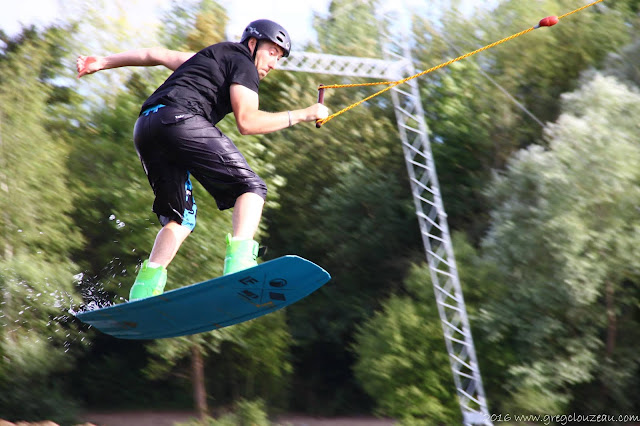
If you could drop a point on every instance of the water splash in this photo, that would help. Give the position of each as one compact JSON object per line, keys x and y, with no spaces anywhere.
{"x":98,"y":292}
{"x":119,"y":223}
{"x":29,"y":308}
{"x":46,"y":310}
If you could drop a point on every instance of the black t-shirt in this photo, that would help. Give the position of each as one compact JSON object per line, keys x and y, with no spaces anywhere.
{"x":201,"y":84}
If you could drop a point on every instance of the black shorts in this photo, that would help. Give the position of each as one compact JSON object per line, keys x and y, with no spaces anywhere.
{"x":174,"y":145}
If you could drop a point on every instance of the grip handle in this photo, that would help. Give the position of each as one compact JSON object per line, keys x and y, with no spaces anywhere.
{"x":320,"y":101}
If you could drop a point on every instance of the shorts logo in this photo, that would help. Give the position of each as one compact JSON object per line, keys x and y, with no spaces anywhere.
{"x":178,"y":117}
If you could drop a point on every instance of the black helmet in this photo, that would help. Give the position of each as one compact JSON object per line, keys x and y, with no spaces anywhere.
{"x":264,"y":29}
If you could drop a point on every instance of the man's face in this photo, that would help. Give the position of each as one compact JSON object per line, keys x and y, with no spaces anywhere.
{"x":267,"y":57}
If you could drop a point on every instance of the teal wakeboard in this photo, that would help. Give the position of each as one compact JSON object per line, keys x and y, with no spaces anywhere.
{"x":211,"y":304}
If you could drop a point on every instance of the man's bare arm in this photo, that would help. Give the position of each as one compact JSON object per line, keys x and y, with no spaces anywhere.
{"x":251,"y":120}
{"x":148,"y":57}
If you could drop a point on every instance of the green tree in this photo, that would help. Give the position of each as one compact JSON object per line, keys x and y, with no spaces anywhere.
{"x":402,"y":360}
{"x":624,"y":64}
{"x":37,"y":232}
{"x":360,"y":40}
{"x":194,"y":25}
{"x":488,"y":106}
{"x":564,"y":236}
{"x":243,"y":361}
{"x":359,"y":235}
{"x":401,"y":349}
{"x":345,"y":204}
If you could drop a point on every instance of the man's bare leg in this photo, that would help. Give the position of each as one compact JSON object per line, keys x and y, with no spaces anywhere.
{"x":167,"y":243}
{"x":242,"y":250}
{"x":152,"y":276}
{"x":246,"y":215}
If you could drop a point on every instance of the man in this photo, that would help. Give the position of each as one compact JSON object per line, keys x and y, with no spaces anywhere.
{"x":175,"y":137}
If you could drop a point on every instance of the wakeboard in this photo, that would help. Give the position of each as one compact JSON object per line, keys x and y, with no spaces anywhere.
{"x":212,"y":304}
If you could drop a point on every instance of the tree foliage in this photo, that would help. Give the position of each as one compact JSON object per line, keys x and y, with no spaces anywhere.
{"x":564,"y":234}
{"x":36,"y":232}
{"x":344,"y":204}
{"x":486,"y":107}
{"x":402,"y":362}
{"x":194,"y":25}
{"x":547,"y":254}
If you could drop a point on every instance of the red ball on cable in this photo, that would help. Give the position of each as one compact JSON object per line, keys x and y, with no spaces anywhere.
{"x":549,"y":21}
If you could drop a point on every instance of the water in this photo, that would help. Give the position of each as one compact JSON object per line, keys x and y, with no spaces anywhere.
{"x":39,"y":311}
{"x":94,"y":291}
{"x":119,"y":223}
{"x":46,"y":311}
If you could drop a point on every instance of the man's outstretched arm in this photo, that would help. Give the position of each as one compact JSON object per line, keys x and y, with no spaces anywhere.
{"x":171,"y":59}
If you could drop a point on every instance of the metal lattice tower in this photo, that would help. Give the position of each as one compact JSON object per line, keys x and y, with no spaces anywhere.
{"x":425,"y":188}
{"x":434,"y":228}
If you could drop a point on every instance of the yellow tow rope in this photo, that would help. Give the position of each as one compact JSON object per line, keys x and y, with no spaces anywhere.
{"x":546,"y":22}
